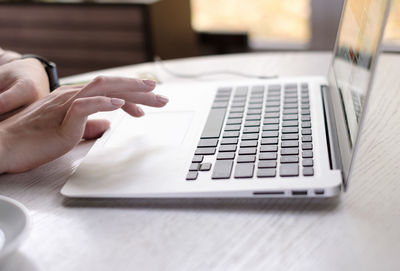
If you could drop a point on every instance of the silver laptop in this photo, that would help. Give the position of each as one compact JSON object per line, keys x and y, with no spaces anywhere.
{"x":290,"y":137}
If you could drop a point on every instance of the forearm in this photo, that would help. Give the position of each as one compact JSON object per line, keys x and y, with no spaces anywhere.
{"x":8,"y":56}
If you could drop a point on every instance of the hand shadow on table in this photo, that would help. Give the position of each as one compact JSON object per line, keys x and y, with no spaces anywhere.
{"x":229,"y":204}
{"x":18,"y":261}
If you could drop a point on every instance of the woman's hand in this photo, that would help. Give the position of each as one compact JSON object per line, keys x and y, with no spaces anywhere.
{"x":56,"y":123}
{"x":21,"y":83}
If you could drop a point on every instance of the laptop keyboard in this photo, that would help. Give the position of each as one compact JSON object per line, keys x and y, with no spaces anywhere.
{"x":261,"y":131}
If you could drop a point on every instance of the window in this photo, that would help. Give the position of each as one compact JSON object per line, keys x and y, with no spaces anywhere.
{"x":284,"y":24}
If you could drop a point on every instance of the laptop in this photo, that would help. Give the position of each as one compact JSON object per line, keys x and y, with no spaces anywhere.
{"x":287,"y":137}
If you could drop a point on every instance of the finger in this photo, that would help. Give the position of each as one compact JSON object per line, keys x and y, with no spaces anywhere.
{"x":95,"y":128}
{"x":109,"y":86}
{"x":74,"y":123}
{"x":16,"y":96}
{"x":133,"y":110}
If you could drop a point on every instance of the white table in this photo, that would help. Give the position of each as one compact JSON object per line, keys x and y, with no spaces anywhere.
{"x":358,"y":231}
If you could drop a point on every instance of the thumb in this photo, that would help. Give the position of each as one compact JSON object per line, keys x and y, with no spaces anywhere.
{"x":95,"y":128}
{"x":74,"y":123}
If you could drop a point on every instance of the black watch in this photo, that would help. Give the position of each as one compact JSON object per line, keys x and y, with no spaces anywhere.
{"x":51,"y":70}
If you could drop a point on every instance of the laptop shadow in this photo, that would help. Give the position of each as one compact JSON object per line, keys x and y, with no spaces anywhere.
{"x":229,"y":204}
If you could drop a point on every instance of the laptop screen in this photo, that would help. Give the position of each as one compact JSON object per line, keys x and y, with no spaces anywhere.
{"x":356,"y":47}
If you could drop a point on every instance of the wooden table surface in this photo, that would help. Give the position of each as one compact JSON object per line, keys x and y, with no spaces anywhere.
{"x":360,"y":230}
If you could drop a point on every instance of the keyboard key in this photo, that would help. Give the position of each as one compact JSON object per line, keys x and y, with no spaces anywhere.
{"x":289,"y":170}
{"x":197,"y":159}
{"x":289,"y":151}
{"x":221,"y":99}
{"x":305,"y":118}
{"x":192,"y":175}
{"x":272,"y":109}
{"x":227,"y":148}
{"x":253,"y":117}
{"x":269,"y":148}
{"x":290,"y":137}
{"x":252,"y":123}
{"x":241,"y":91}
{"x":194,"y":167}
{"x":305,"y":106}
{"x":222,"y":169}
{"x":268,"y":156}
{"x":224,"y":90}
{"x":246,"y":151}
{"x":271,"y":127}
{"x":290,"y":86}
{"x":229,"y":141}
{"x":251,"y":130}
{"x":244,"y":170}
{"x":270,"y":134}
{"x":271,"y":121}
{"x":308,"y":162}
{"x":308,"y":171}
{"x":238,"y":104}
{"x":211,"y":142}
{"x":306,"y":124}
{"x":229,"y":128}
{"x":290,"y":144}
{"x":225,"y":156}
{"x":250,"y":137}
{"x":290,"y":130}
{"x":254,"y":112}
{"x":235,"y":116}
{"x":305,"y":112}
{"x":213,"y":126}
{"x":258,"y":89}
{"x":216,"y":105}
{"x":271,"y":116}
{"x":306,"y":131}
{"x":249,"y":143}
{"x":307,"y":154}
{"x":246,"y":158}
{"x":269,"y":141}
{"x":274,"y":88}
{"x":231,"y":134}
{"x":233,"y":121}
{"x":292,"y":123}
{"x":267,"y":164}
{"x":289,"y":159}
{"x":290,"y":117}
{"x":307,"y":146}
{"x":272,"y":104}
{"x":290,"y":111}
{"x":289,"y":106}
{"x":306,"y":138}
{"x":205,"y":151}
{"x":237,"y":110}
{"x":291,"y":101}
{"x":205,"y":167}
{"x":266,"y":172}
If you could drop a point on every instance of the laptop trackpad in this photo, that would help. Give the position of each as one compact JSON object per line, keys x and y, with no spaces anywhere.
{"x":135,"y":147}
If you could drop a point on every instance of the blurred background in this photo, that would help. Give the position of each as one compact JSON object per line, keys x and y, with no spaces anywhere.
{"x":82,"y":36}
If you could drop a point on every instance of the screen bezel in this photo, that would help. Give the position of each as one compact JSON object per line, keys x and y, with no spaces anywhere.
{"x":346,"y":150}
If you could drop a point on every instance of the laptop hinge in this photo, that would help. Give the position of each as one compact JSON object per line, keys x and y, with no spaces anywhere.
{"x":331,"y":132}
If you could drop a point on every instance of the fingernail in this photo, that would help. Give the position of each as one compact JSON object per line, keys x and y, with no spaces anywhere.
{"x":117,"y":102}
{"x":140,"y":110}
{"x":149,"y":83}
{"x":162,"y":99}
